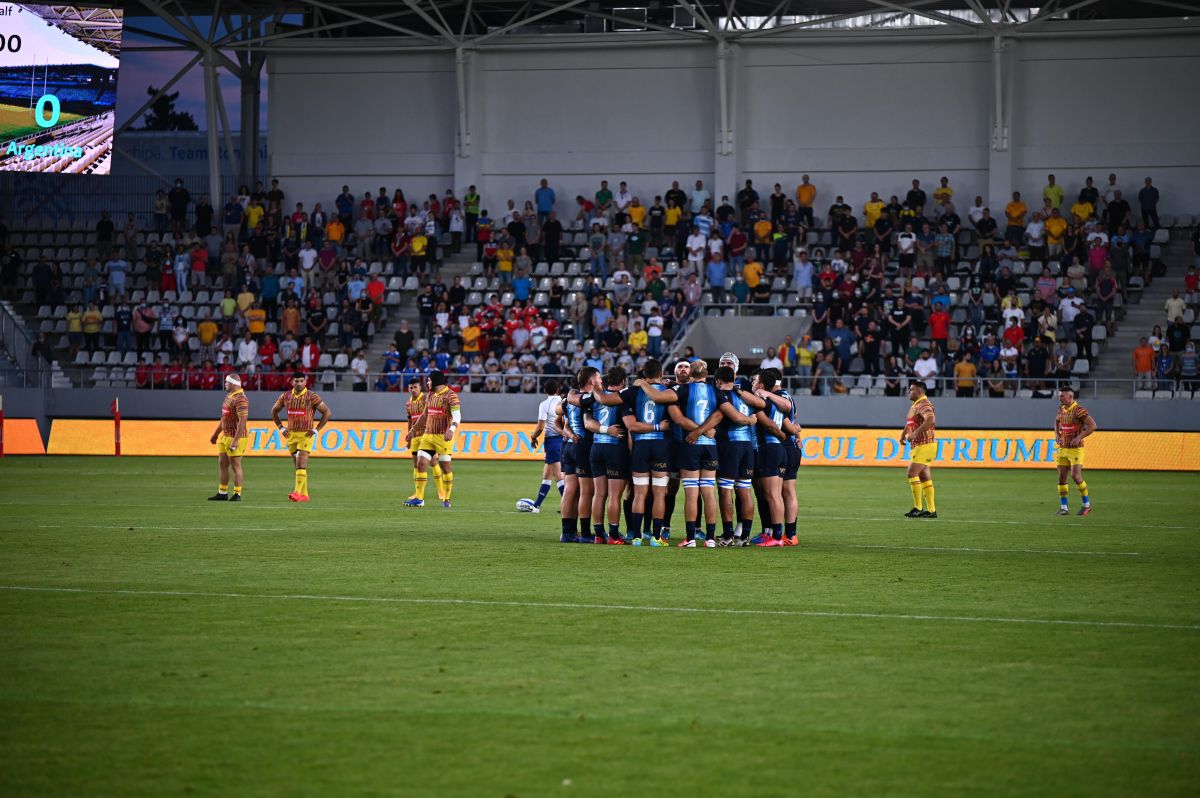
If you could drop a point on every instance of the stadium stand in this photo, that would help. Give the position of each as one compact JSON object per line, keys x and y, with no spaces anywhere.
{"x":877,"y":294}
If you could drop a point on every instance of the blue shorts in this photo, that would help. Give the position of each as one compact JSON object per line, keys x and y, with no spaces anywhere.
{"x":610,"y":460}
{"x":771,"y":460}
{"x":568,"y":458}
{"x":736,"y":460}
{"x":651,"y":456}
{"x":554,"y":446}
{"x":578,"y":458}
{"x":697,"y":457}
{"x":794,"y":455}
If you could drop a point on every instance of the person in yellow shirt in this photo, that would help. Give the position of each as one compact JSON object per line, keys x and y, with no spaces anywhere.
{"x":206,"y":332}
{"x":1082,"y":210}
{"x":964,"y":376}
{"x":752,"y":274}
{"x":75,"y":329}
{"x":335,"y":231}
{"x":806,"y":195}
{"x":254,"y":215}
{"x":1052,"y":193}
{"x":504,"y":260}
{"x":256,"y":320}
{"x":637,"y":212}
{"x":804,"y":358}
{"x":762,"y":239}
{"x":418,"y":250}
{"x":943,"y":193}
{"x":638,"y":339}
{"x":471,"y":335}
{"x":1056,"y":228}
{"x":1014,"y":213}
{"x":92,"y":321}
{"x":873,"y":209}
{"x":245,"y":299}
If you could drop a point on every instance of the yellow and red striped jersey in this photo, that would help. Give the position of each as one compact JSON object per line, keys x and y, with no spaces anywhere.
{"x":300,"y":408}
{"x":438,"y":407}
{"x":921,"y":410}
{"x":415,"y":406}
{"x":1069,"y":424}
{"x":234,"y":409}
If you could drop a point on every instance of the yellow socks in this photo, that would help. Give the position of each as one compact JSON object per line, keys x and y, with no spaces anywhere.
{"x":302,"y":481}
{"x":914,"y":484}
{"x":1082,"y":489}
{"x":237,"y":490}
{"x":927,"y":489}
{"x":439,"y":481}
{"x":223,"y":488}
{"x":419,"y":481}
{"x":415,"y":473}
{"x":447,"y":485}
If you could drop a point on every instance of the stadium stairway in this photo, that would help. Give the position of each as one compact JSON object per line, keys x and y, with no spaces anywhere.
{"x":452,"y":266}
{"x":1140,"y":316}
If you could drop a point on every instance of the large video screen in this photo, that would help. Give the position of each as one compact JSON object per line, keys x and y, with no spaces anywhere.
{"x":58,"y":87}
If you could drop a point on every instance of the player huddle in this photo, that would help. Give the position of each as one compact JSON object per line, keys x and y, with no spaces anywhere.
{"x":729,"y":443}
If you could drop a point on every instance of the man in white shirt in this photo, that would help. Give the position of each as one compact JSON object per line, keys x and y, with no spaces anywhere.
{"x":976,"y":211}
{"x":623,"y":198}
{"x":926,"y":369}
{"x":1035,"y":237}
{"x":1068,"y":309}
{"x":838,"y":264}
{"x":551,"y":472}
{"x":308,"y":259}
{"x":359,"y":368}
{"x":771,"y":361}
{"x":699,"y":197}
{"x":247,"y":358}
{"x":1111,"y":190}
{"x":696,"y":247}
{"x":654,"y":331}
{"x":906,"y":247}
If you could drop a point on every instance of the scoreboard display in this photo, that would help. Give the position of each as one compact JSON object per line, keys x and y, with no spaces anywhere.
{"x":58,"y":87}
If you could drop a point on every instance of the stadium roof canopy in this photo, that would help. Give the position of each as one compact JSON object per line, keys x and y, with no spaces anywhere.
{"x":449,"y":24}
{"x":98,"y":27}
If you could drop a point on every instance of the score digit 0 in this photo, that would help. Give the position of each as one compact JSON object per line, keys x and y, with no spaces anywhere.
{"x":39,"y":111}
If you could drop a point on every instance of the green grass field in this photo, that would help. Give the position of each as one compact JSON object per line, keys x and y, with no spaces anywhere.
{"x":153,"y":643}
{"x":17,"y":121}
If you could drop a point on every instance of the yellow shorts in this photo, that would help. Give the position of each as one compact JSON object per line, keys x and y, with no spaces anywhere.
{"x":433,"y":443}
{"x":225,"y":445}
{"x":300,"y":442}
{"x":1070,"y":457}
{"x":923,"y":454}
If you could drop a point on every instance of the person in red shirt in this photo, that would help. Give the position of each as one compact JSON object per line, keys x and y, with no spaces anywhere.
{"x":192,"y":375}
{"x":142,"y":375}
{"x":158,"y":372}
{"x":399,"y":204}
{"x":586,"y":207}
{"x":366,"y":206}
{"x":266,"y":353}
{"x":175,"y":375}
{"x":737,"y":247}
{"x":513,"y":322}
{"x":209,"y":379}
{"x":1014,"y":335}
{"x":435,"y":207}
{"x":250,"y":382}
{"x":299,"y":217}
{"x":939,"y":328}
{"x":199,"y":266}
{"x":375,"y":289}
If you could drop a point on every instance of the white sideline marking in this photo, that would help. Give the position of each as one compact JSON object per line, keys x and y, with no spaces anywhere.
{"x":899,"y":519}
{"x":138,"y":527}
{"x":987,"y":551}
{"x":626,"y":607}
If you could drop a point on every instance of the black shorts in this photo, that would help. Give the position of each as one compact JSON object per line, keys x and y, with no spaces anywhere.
{"x":610,"y":460}
{"x":568,"y":458}
{"x":736,"y":460}
{"x":651,"y":456}
{"x":674,"y":446}
{"x":794,"y":455}
{"x":581,"y":456}
{"x":771,"y":460}
{"x":697,"y":457}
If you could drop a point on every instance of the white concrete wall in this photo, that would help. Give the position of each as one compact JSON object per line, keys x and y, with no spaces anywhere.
{"x":362,"y":121}
{"x":858,"y":116}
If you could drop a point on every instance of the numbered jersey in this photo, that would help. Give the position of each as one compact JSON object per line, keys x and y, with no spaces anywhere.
{"x":728,"y":429}
{"x":697,"y":400}
{"x":643,"y":408}
{"x":606,"y":416}
{"x":777,"y":416}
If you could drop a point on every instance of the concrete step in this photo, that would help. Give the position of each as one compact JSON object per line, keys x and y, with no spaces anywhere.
{"x":452,"y":266}
{"x":1140,"y":319}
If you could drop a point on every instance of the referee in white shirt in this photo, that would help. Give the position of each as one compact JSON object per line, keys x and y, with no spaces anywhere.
{"x":552,"y":470}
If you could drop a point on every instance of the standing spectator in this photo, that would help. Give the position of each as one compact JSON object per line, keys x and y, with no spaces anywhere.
{"x":178,"y":200}
{"x":1143,"y":365}
{"x":1053,"y":193}
{"x":247,"y":354}
{"x":1117,"y":213}
{"x":544,"y":199}
{"x":964,"y":376}
{"x":771,"y":361}
{"x":1148,"y":200}
{"x":1175,"y":305}
{"x":806,"y":196}
{"x":944,"y":248}
{"x":939,"y":325}
{"x":1189,"y":368}
{"x":426,"y":307}
{"x":1014,"y":214}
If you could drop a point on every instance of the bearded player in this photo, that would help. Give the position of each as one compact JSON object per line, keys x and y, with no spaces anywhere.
{"x":302,"y":405}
